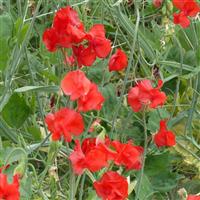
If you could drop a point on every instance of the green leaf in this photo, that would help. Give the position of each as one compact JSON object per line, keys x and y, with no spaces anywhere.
{"x":99,"y":73}
{"x":21,"y":30}
{"x":25,"y":187}
{"x":110,"y":101}
{"x":35,"y":132}
{"x":6,"y":25}
{"x":10,"y":155}
{"x":158,"y":170}
{"x":146,"y":189}
{"x":4,"y":53}
{"x":154,"y":119}
{"x":37,"y":88}
{"x":15,"y":112}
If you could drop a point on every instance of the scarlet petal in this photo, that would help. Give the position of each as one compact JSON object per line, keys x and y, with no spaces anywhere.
{"x":133,"y":99}
{"x":75,"y":84}
{"x":93,"y":100}
{"x":128,"y":155}
{"x":181,"y":19}
{"x":102,"y":47}
{"x":118,"y":61}
{"x":178,"y":4}
{"x":158,"y":99}
{"x":66,"y":123}
{"x":193,"y":197}
{"x":9,"y":191}
{"x":77,"y":159}
{"x":94,"y":164}
{"x":97,"y":30}
{"x":50,"y":39}
{"x":77,"y":34}
{"x":64,"y":17}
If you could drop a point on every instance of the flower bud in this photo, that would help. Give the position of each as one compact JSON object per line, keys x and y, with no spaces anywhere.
{"x":20,"y":169}
{"x":157,"y":3}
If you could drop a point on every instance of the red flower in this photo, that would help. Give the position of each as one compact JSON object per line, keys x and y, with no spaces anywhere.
{"x":93,"y":100}
{"x":9,"y":191}
{"x":164,"y":137}
{"x":118,"y":61}
{"x":84,"y":56}
{"x":188,"y":8}
{"x":53,"y":39}
{"x":98,"y":41}
{"x":144,"y":94}
{"x":75,"y":84}
{"x":66,"y":30}
{"x":90,"y":155}
{"x":65,"y":123}
{"x":128,"y":155}
{"x":112,"y":186}
{"x":193,"y":197}
{"x":180,"y":18}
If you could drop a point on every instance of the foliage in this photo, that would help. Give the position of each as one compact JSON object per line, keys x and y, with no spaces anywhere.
{"x":30,"y":81}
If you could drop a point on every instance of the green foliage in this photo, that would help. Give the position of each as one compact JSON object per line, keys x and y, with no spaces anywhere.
{"x":16,"y":111}
{"x":30,"y":78}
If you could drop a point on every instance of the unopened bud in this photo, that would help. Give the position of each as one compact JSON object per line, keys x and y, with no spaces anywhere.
{"x":157,"y":3}
{"x":20,"y":169}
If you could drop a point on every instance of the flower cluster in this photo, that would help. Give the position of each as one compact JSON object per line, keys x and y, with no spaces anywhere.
{"x":9,"y":191}
{"x":94,"y":154}
{"x":188,"y":8}
{"x":68,"y":31}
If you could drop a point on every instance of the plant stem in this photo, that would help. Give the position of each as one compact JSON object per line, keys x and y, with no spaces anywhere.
{"x":144,"y":157}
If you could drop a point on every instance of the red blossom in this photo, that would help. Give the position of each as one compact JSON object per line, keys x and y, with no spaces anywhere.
{"x":128,"y":155}
{"x":75,"y":84}
{"x":64,"y":123}
{"x":164,"y":137}
{"x":89,"y":155}
{"x":84,"y":56}
{"x":93,"y":100}
{"x":112,"y":186}
{"x":193,"y":197}
{"x":188,"y":8}
{"x":118,"y":61}
{"x":143,"y":94}
{"x":97,"y":40}
{"x":9,"y":191}
{"x":52,"y":39}
{"x":65,"y":31}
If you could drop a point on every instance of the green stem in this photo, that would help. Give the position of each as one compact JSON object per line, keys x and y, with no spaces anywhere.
{"x":90,"y":175}
{"x":81,"y":188}
{"x":72,"y":177}
{"x":144,"y":157}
